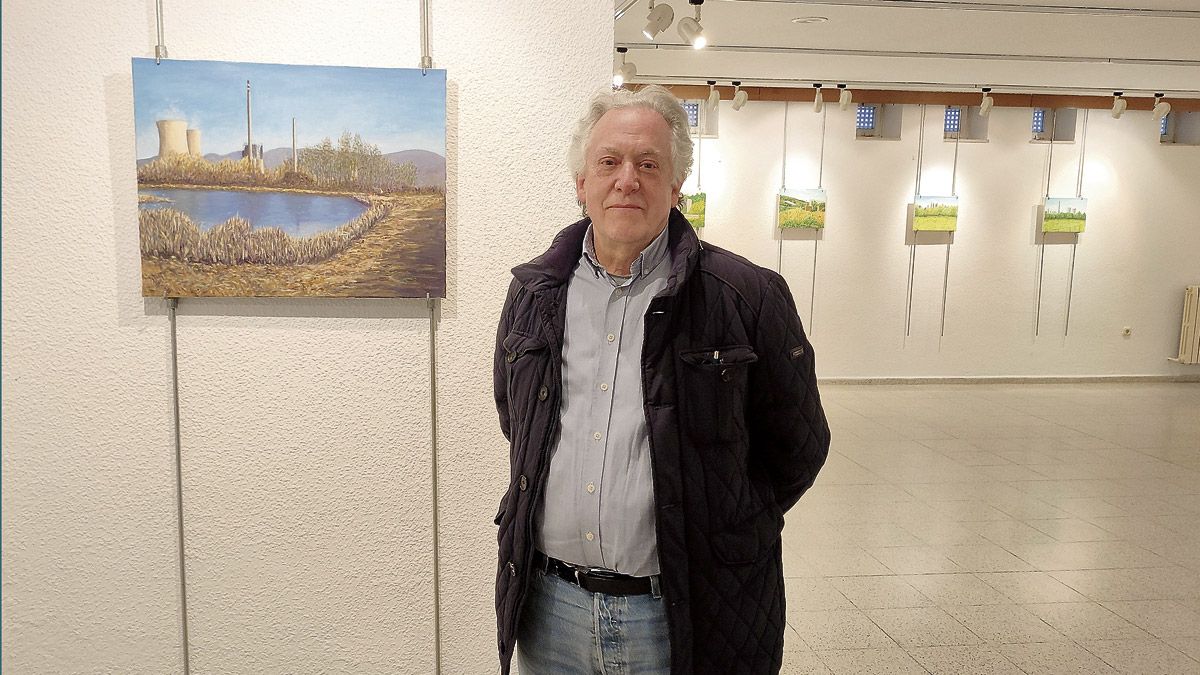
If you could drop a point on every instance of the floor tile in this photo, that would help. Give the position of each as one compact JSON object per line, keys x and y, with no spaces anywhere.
{"x":914,"y":560}
{"x":1143,"y":657}
{"x":870,"y":662}
{"x":922,"y":627}
{"x":956,"y":589}
{"x":1085,"y":555}
{"x":839,"y":629}
{"x":1031,"y":587}
{"x":1187,"y":645}
{"x":964,"y":660}
{"x":986,"y":558}
{"x":843,"y":562}
{"x":1165,"y":583}
{"x":813,"y":594}
{"x":1161,"y":618}
{"x":1071,"y":529}
{"x":803,"y":663}
{"x":1086,"y":621}
{"x":882,"y":592}
{"x":1004,"y":623}
{"x":1059,"y":658}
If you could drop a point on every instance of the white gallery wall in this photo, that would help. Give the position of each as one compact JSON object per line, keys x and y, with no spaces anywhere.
{"x":1141,"y":247}
{"x":305,"y":423}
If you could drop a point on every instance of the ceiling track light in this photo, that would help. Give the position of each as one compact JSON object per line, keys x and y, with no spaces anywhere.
{"x":625,"y":70}
{"x":714,"y":96}
{"x":985,"y":105}
{"x":845,"y":98}
{"x":739,"y":97}
{"x":818,"y":100}
{"x":1161,"y":107}
{"x":658,"y":20}
{"x":1119,"y":105}
{"x":690,"y":29}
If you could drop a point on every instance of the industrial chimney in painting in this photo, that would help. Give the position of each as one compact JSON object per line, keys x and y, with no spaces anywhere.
{"x":252,"y":152}
{"x":172,"y":138}
{"x":193,"y":143}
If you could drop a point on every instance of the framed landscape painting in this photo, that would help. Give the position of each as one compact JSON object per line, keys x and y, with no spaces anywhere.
{"x":1064,"y":214}
{"x":290,"y":181}
{"x":935,"y":214}
{"x":693,"y":208}
{"x":800,"y":209}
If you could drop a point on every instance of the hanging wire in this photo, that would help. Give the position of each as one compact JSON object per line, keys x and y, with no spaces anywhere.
{"x":821,"y":156}
{"x":1082,"y":150}
{"x":954,"y":169}
{"x":172,"y":306}
{"x":432,"y":303}
{"x":426,"y":59}
{"x":782,"y":186}
{"x":160,"y":49}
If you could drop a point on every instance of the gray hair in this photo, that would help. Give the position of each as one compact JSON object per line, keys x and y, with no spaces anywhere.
{"x":653,"y":97}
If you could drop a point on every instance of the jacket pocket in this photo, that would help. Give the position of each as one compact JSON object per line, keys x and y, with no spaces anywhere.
{"x":517,"y":344}
{"x":749,"y":540}
{"x":713,"y":395}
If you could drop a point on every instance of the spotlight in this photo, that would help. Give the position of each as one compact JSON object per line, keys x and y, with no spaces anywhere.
{"x":1161,"y":107}
{"x":658,"y":20}
{"x":1119,"y":105}
{"x":845,"y":98}
{"x":714,"y":96}
{"x":818,"y":100}
{"x":739,"y":97}
{"x":690,"y":29}
{"x":985,"y":105}
{"x":625,"y":71}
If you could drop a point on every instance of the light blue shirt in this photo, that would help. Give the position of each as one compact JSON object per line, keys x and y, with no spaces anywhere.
{"x":598,"y":508}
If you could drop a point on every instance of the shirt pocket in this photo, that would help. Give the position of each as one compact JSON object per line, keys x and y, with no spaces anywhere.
{"x":714,"y":392}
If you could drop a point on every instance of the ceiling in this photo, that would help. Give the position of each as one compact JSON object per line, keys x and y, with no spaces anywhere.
{"x":1036,"y":46}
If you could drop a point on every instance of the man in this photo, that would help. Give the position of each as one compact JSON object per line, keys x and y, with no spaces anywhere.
{"x":662,"y":410}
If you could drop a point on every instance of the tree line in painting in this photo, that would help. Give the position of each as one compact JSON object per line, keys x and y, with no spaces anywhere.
{"x":350,"y":165}
{"x":801,"y":213}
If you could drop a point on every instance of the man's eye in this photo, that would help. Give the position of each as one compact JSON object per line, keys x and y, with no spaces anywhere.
{"x":607,"y":162}
{"x":649,"y":166}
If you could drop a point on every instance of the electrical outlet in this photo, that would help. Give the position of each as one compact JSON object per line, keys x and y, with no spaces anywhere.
{"x":1126,"y":331}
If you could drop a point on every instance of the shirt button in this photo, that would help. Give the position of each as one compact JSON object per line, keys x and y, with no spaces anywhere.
{"x":543,"y":393}
{"x":589,"y":536}
{"x":611,"y":337}
{"x":511,"y":357}
{"x":523,"y":483}
{"x":596,"y":435}
{"x":603,"y":386}
{"x":591,"y":487}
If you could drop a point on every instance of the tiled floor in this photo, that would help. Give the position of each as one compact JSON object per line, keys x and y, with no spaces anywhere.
{"x":1000,"y":529}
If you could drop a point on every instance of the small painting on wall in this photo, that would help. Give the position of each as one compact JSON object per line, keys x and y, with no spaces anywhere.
{"x":291,"y":181}
{"x":800,"y":209}
{"x":935,"y":214}
{"x":1064,"y":214}
{"x":693,"y":208}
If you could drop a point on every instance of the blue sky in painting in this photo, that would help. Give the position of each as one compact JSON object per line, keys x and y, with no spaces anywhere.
{"x":393,"y":108}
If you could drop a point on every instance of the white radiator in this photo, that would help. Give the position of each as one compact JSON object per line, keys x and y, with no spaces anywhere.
{"x":1189,"y":333}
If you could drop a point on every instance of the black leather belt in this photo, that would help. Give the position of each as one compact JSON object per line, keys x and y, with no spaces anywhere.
{"x":592,"y":579}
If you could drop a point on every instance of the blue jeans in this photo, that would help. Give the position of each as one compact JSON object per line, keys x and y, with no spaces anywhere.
{"x":566,"y":630}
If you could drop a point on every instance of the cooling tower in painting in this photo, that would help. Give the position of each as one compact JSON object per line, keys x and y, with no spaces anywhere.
{"x":193,"y":143}
{"x":172,"y":138}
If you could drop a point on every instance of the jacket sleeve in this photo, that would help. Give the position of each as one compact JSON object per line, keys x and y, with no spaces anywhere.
{"x":499,"y":368}
{"x":789,"y":434}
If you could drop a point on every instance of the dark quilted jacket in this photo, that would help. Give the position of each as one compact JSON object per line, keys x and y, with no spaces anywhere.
{"x":734,"y":445}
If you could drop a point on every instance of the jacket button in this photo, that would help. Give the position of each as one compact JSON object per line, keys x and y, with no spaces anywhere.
{"x":511,"y":357}
{"x":512,"y":569}
{"x":523,"y":483}
{"x":725,"y":377}
{"x":543,"y":393}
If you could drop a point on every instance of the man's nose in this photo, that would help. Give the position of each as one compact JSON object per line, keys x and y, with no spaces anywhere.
{"x":627,"y":180}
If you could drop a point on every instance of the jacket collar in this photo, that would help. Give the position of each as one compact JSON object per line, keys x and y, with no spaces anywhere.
{"x":554,"y":267}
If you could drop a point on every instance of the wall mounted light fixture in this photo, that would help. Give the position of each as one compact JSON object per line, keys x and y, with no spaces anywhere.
{"x":1161,"y":108}
{"x":625,"y":70}
{"x":714,"y":96}
{"x":739,"y":97}
{"x":818,"y":100}
{"x":690,"y":29}
{"x":845,"y":98}
{"x":658,"y":20}
{"x":1119,"y":105}
{"x":985,"y":105}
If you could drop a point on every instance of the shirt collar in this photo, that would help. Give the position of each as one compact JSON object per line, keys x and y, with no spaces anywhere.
{"x":647,"y":260}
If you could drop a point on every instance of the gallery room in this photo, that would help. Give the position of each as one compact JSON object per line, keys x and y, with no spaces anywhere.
{"x":267,"y":393}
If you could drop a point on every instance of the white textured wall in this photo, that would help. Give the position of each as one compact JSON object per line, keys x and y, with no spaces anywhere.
{"x":1140,"y":249}
{"x":305,"y":423}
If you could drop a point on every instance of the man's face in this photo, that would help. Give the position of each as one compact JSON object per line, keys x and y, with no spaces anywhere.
{"x":627,"y":182}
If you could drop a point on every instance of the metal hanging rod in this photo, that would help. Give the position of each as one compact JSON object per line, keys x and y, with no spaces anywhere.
{"x":1000,"y":88}
{"x":896,"y":54}
{"x":1004,"y":7}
